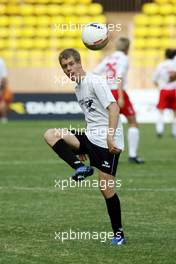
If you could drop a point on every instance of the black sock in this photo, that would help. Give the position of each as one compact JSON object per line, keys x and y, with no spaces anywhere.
{"x":114,"y":211}
{"x":66,"y":153}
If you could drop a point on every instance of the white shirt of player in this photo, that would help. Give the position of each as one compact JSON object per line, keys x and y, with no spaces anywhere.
{"x":3,"y":70}
{"x":94,"y":97}
{"x":162,"y":74}
{"x":113,"y":67}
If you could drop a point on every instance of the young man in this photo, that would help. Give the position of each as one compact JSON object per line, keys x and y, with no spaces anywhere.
{"x":115,"y":68}
{"x":165,"y":78}
{"x":5,"y":94}
{"x":102,"y":141}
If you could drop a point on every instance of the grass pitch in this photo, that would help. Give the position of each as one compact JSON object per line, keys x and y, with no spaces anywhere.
{"x":33,"y":209}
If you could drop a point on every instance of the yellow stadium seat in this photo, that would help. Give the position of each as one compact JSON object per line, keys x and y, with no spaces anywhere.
{"x":29,"y":20}
{"x":43,"y":32}
{"x":54,"y":10}
{"x":28,"y":32}
{"x":80,"y":10}
{"x":141,"y":20}
{"x":15,"y":21}
{"x":12,"y":9}
{"x":138,"y":54}
{"x":43,"y":21}
{"x":67,"y":10}
{"x":15,"y":32}
{"x":166,"y":9}
{"x":22,"y":54}
{"x":2,"y":9}
{"x":139,"y":43}
{"x":95,"y":9}
{"x":161,"y":1}
{"x":26,"y":43}
{"x":156,"y":20}
{"x":57,"y":20}
{"x":56,"y":1}
{"x":4,"y":21}
{"x":2,"y":44}
{"x":40,"y":9}
{"x":141,"y":31}
{"x":154,"y":31}
{"x":72,"y":2}
{"x":84,"y":1}
{"x":166,"y":31}
{"x":3,"y":32}
{"x":4,"y":1}
{"x":7,"y":54}
{"x":26,"y":10}
{"x":79,"y":44}
{"x":173,"y":1}
{"x":150,"y":8}
{"x":86,"y":19}
{"x":41,"y":43}
{"x":38,"y":1}
{"x":71,"y":20}
{"x":153,"y":43}
{"x":169,"y":20}
{"x":68,"y":43}
{"x":99,"y":19}
{"x":71,"y":33}
{"x":164,"y":43}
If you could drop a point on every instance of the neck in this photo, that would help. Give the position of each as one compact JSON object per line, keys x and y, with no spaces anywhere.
{"x":81,"y":76}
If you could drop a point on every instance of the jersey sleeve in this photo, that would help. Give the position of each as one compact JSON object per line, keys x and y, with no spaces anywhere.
{"x":3,"y":70}
{"x":102,"y":92}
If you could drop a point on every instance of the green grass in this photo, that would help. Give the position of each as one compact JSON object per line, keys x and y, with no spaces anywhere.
{"x":32,"y":209}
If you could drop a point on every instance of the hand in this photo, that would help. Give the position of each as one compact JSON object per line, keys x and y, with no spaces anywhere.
{"x":112,"y":146}
{"x":120,"y":102}
{"x":82,"y":157}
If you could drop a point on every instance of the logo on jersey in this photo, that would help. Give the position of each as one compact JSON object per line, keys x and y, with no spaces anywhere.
{"x":87,"y":103}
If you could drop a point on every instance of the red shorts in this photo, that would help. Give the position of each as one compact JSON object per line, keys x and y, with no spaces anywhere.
{"x":167,"y":99}
{"x":127,"y":109}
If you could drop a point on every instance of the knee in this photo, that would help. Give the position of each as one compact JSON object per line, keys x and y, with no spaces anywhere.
{"x":51,"y":135}
{"x":108,"y":192}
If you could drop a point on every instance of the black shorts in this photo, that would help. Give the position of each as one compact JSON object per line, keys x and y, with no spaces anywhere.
{"x":99,"y":157}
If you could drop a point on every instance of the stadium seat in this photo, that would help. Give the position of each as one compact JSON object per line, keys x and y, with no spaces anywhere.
{"x":16,"y":21}
{"x":156,"y":20}
{"x":29,"y":20}
{"x":154,"y":31}
{"x":169,"y":20}
{"x":141,"y":31}
{"x":43,"y":20}
{"x":85,"y":19}
{"x":4,"y":32}
{"x":161,"y":1}
{"x":141,"y":20}
{"x":54,"y":10}
{"x":166,"y":31}
{"x":41,"y":43}
{"x":68,"y":42}
{"x":67,"y":10}
{"x":164,"y":43}
{"x":12,"y":9}
{"x":80,"y":10}
{"x":2,"y":44}
{"x":26,"y":10}
{"x":2,"y":9}
{"x":40,"y":10}
{"x":22,"y":54}
{"x":56,"y":1}
{"x":4,"y":21}
{"x":100,"y":19}
{"x":84,"y":1}
{"x":79,"y":44}
{"x":70,"y":2}
{"x":139,"y":43}
{"x":28,"y":32}
{"x":15,"y":32}
{"x":166,"y":9}
{"x":150,"y":9}
{"x":26,"y":43}
{"x":95,"y":9}
{"x":43,"y":32}
{"x":153,"y":43}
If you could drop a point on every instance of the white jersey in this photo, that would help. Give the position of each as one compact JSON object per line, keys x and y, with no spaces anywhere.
{"x":3,"y":70}
{"x":113,"y":67}
{"x":162,"y":74}
{"x":94,"y":97}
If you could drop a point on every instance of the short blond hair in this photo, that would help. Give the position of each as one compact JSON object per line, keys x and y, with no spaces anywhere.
{"x":122,"y":44}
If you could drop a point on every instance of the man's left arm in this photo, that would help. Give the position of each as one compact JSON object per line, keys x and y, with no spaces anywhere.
{"x":113,"y":112}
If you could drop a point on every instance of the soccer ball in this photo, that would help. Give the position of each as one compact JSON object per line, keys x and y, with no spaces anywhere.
{"x":95,"y":36}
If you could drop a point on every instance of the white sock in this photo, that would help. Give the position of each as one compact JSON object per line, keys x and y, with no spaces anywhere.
{"x":133,"y":141}
{"x":160,"y":124}
{"x":174,"y":127}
